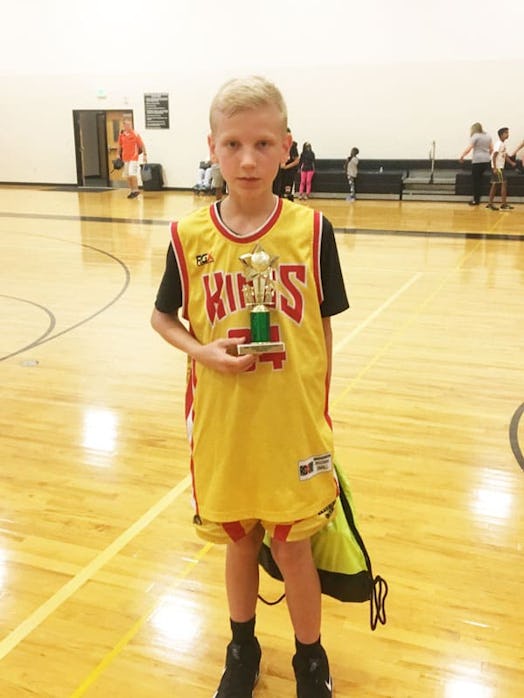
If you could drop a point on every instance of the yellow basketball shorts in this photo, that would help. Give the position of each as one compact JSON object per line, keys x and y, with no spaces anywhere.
{"x":233,"y":531}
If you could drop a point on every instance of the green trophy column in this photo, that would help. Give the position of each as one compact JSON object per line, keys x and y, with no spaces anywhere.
{"x":260,"y":324}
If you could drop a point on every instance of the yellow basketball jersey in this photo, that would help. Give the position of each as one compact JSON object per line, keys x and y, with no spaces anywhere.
{"x":261,"y":440}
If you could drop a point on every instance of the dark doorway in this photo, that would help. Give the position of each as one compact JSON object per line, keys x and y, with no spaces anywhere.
{"x":95,"y":146}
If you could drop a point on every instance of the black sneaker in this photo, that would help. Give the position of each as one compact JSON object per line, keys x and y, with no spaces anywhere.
{"x":506,"y":207}
{"x":241,"y":671}
{"x":492,"y":207}
{"x":133,"y":194}
{"x":313,"y":677}
{"x":473,"y":203}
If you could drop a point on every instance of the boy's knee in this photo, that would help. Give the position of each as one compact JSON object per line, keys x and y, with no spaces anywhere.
{"x":293,"y":554}
{"x":250,"y":544}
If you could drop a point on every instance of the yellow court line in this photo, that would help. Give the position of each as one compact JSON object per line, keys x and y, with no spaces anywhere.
{"x":349,"y":337}
{"x":130,"y":634}
{"x":407,"y":323}
{"x":133,"y":630}
{"x":64,"y":593}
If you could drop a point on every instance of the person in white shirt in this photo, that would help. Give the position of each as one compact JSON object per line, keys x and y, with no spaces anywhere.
{"x":499,"y":156}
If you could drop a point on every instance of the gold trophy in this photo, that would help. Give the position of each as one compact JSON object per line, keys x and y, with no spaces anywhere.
{"x":259,"y":293}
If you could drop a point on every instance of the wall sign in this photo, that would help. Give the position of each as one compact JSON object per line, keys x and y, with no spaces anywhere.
{"x":157,"y":109}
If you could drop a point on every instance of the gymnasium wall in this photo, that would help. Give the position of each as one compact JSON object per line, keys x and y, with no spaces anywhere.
{"x":389,"y":77}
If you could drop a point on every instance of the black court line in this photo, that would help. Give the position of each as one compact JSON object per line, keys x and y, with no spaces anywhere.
{"x":513,"y":428}
{"x":39,"y":340}
{"x":46,"y":337}
{"x":88,"y":219}
{"x":346,"y":231}
{"x":514,"y":436}
{"x":438,"y":234}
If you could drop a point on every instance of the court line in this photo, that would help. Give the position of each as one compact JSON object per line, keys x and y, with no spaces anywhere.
{"x":338,"y":229}
{"x":514,"y":435}
{"x":64,"y":593}
{"x":137,"y":625}
{"x":407,"y":323}
{"x":135,"y":628}
{"x":75,"y":583}
{"x":48,"y":337}
{"x":340,"y":345}
{"x":126,"y":639}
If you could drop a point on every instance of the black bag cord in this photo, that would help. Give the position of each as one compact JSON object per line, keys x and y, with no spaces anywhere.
{"x":272,"y":603}
{"x":379,"y":588}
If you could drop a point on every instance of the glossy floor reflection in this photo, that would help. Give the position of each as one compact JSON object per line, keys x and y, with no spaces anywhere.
{"x":104,"y":588}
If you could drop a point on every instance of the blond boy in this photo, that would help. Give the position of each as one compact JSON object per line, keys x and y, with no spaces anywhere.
{"x":261,"y":437}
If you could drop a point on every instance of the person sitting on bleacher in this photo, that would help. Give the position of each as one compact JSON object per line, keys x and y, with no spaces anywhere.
{"x":203,"y":184}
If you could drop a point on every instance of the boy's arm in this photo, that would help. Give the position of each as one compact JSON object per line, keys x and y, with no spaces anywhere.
{"x":214,"y":355}
{"x":328,"y":337}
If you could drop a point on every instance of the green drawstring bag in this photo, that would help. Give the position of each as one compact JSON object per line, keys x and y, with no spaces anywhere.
{"x":341,"y":558}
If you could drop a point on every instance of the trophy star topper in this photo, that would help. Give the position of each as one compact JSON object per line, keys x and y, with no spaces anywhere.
{"x":261,"y":287}
{"x":259,"y":293}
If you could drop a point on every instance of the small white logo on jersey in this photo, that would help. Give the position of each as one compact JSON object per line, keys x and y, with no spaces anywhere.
{"x":329,"y":684}
{"x":310,"y":467}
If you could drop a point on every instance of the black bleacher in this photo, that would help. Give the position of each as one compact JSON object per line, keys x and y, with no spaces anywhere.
{"x":330,"y":177}
{"x":388,"y":176}
{"x":515,"y":179}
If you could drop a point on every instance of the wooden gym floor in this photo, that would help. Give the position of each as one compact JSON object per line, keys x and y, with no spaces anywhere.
{"x":106,"y":592}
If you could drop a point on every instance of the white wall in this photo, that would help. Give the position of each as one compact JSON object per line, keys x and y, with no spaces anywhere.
{"x":389,"y":77}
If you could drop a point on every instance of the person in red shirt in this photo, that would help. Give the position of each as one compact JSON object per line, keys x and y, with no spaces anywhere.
{"x":130,"y":147}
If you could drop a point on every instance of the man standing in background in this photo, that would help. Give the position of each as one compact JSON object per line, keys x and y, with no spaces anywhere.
{"x":130,"y":147}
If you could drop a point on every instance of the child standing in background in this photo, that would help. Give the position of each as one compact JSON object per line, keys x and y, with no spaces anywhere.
{"x":307,"y":170}
{"x":351,"y":172}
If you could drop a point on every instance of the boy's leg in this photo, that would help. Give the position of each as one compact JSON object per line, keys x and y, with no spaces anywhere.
{"x":302,"y":585}
{"x":242,"y":575}
{"x":303,"y":596}
{"x":503,"y":192}
{"x":492,"y":191}
{"x":243,"y":652}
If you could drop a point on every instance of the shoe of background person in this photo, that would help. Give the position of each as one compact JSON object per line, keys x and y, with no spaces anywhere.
{"x":473,"y":203}
{"x":313,"y":677}
{"x":506,"y":207}
{"x":241,"y":671}
{"x":133,"y":194}
{"x":492,"y":207}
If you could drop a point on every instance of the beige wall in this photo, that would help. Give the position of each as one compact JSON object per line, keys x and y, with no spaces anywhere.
{"x":387,"y":77}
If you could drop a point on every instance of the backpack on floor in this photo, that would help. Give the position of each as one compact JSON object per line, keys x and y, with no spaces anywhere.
{"x":341,"y":558}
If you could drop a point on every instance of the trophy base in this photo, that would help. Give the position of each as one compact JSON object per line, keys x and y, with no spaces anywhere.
{"x":259,"y":348}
